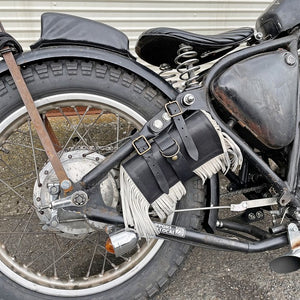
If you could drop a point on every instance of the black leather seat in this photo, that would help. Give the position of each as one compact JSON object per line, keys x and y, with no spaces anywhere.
{"x":160,"y":45}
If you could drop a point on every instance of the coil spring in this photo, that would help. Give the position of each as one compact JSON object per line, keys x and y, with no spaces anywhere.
{"x":167,"y":73}
{"x":187,"y":65}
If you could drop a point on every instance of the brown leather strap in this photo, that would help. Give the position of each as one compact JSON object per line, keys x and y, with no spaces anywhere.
{"x":34,"y":115}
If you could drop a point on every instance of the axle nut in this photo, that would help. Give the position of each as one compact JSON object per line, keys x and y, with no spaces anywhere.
{"x":80,"y":198}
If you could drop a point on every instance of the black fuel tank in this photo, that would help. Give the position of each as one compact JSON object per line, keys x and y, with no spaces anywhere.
{"x":261,"y":93}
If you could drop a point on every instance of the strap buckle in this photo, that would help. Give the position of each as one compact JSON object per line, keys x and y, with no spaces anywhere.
{"x":176,"y":110}
{"x":174,"y":155}
{"x":137,"y":148}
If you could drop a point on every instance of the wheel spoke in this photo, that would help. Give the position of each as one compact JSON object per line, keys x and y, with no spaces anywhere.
{"x":71,"y":254}
{"x":54,"y":264}
{"x":24,"y":146}
{"x":40,"y":256}
{"x":23,"y":233}
{"x":91,"y":125}
{"x":26,"y":134}
{"x":92,"y":259}
{"x":18,"y":185}
{"x":15,"y":192}
{"x":104,"y":262}
{"x":75,"y":128}
{"x":11,"y":170}
{"x":118,"y":130}
{"x":86,"y":131}
{"x":63,"y":259}
{"x":63,"y":255}
{"x":21,"y":220}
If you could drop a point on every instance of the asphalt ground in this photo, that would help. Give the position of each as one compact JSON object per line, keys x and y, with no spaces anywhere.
{"x":212,"y":274}
{"x":220,"y":275}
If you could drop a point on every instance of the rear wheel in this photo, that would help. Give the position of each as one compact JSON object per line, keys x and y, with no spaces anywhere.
{"x":89,"y":110}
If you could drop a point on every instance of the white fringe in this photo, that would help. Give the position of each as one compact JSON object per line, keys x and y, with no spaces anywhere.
{"x":136,"y":207}
{"x":213,"y":166}
{"x":166,"y":203}
{"x":233,"y":157}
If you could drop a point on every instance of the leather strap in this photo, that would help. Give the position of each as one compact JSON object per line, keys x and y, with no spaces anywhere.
{"x":170,"y":149}
{"x":143,"y":148}
{"x":174,"y":111}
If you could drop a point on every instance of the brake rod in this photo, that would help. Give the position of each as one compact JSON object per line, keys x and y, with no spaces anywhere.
{"x":35,"y":117}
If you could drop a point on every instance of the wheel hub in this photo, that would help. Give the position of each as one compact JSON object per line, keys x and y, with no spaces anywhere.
{"x":76,"y":164}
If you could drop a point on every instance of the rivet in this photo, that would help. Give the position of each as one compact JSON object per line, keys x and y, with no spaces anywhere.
{"x":166,"y":117}
{"x":158,"y":124}
{"x":175,"y":157}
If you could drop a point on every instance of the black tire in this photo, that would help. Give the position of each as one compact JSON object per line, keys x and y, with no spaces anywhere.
{"x":77,"y":76}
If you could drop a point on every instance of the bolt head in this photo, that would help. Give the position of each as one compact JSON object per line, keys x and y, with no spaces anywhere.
{"x":53,"y":190}
{"x":259,"y":36}
{"x":54,"y":223}
{"x":65,"y":184}
{"x":290,"y":59}
{"x":251,"y":216}
{"x":188,"y":99}
{"x":259,"y":214}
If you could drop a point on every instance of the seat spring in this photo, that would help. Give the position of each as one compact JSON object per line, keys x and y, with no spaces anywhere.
{"x":167,"y":73}
{"x":187,"y":65}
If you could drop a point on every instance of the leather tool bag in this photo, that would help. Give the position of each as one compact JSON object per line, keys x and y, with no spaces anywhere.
{"x":155,"y":174}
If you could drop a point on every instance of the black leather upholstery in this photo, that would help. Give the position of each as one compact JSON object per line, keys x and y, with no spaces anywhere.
{"x":160,"y":45}
{"x":62,"y":29}
{"x":207,"y":142}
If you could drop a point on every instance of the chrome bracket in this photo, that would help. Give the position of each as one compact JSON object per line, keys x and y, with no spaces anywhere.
{"x":253,"y":204}
{"x":239,"y":206}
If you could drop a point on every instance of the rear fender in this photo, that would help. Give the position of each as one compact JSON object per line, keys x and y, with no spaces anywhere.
{"x":127,"y":63}
{"x":103,"y":55}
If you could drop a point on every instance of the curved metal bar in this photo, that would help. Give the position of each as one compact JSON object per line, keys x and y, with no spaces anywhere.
{"x":198,"y":239}
{"x":250,"y":229}
{"x":222,"y":65}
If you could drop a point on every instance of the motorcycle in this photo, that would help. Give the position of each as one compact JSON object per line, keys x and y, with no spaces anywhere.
{"x":110,"y":172}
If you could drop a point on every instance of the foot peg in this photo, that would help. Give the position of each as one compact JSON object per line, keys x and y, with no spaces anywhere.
{"x":289,"y":262}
